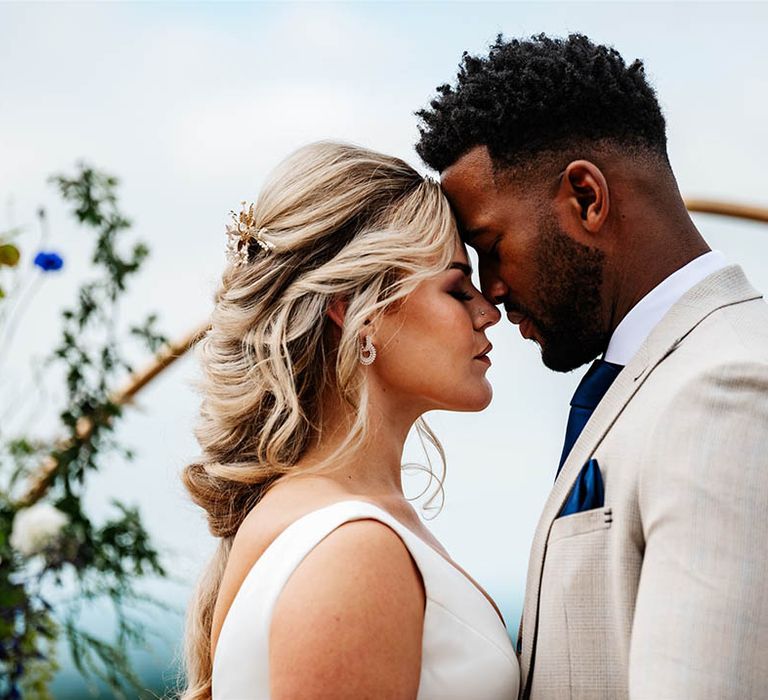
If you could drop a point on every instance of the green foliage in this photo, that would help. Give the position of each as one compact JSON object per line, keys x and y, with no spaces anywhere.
{"x":148,"y":332}
{"x":103,"y":559}
{"x":23,"y":456}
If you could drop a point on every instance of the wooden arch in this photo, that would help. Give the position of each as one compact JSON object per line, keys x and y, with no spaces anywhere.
{"x":40,"y":482}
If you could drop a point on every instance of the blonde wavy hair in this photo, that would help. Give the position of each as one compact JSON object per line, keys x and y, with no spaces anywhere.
{"x":347,"y":223}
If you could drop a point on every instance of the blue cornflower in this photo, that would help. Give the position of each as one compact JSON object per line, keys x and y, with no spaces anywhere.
{"x":48,"y":261}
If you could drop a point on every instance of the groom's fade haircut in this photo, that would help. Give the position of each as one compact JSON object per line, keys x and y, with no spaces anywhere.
{"x":533,"y":102}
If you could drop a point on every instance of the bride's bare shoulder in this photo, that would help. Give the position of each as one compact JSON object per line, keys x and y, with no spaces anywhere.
{"x":360,"y":594}
{"x":281,"y":506}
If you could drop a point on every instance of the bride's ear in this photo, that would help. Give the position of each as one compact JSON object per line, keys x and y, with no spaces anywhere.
{"x":337,"y":311}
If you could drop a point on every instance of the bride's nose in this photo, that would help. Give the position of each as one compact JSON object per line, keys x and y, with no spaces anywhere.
{"x":486,"y":315}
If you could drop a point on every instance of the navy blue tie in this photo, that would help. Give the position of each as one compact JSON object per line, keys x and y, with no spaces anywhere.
{"x":587,"y":491}
{"x":591,"y":389}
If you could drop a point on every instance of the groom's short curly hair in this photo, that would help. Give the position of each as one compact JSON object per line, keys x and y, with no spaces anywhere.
{"x":543,"y":94}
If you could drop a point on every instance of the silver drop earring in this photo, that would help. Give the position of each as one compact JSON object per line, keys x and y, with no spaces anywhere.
{"x":367,"y":352}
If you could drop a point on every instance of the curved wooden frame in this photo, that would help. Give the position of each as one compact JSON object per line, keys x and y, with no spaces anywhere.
{"x":173,"y":351}
{"x":40,"y":482}
{"x":739,"y":211}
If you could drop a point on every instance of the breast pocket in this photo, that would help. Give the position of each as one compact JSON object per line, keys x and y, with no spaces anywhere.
{"x":581,"y":523}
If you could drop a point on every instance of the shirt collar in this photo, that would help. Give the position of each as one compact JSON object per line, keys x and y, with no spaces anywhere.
{"x":637,"y":325}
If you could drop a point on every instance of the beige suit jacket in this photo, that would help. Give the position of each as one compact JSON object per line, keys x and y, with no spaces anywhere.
{"x":663,"y":592}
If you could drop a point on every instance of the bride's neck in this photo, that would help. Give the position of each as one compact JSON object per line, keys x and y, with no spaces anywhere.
{"x":372,"y":468}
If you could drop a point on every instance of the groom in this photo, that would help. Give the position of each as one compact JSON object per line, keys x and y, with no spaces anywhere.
{"x":648,"y":572}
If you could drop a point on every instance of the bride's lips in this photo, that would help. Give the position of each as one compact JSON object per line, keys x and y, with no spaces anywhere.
{"x":483,"y":356}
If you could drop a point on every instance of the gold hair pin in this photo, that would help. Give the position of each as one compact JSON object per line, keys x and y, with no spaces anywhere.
{"x":241,"y":232}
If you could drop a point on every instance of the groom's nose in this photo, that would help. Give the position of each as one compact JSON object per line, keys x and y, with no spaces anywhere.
{"x":493,"y":287}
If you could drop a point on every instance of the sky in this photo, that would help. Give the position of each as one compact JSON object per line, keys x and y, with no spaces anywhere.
{"x":191,"y":105}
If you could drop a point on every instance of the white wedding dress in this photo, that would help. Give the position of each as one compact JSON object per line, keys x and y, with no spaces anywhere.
{"x":466,"y":652}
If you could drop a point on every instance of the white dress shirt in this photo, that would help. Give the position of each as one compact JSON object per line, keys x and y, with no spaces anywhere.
{"x":643,"y":317}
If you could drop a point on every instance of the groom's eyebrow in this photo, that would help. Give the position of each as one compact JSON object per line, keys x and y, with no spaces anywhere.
{"x":466,"y":269}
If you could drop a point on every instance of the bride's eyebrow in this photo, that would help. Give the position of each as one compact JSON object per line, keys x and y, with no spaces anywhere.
{"x":466,"y":269}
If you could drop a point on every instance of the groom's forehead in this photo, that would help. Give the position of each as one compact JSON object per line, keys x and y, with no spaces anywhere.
{"x":468,"y":185}
{"x":478,"y":198}
{"x":472,"y":171}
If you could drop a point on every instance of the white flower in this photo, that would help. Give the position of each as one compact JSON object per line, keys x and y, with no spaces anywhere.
{"x":35,"y":527}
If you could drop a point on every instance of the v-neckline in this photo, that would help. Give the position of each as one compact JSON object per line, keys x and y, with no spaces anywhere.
{"x":463,"y":574}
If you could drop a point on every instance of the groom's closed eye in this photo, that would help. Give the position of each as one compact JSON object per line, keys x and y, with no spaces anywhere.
{"x":470,"y":234}
{"x":479,"y":240}
{"x":493,"y":251}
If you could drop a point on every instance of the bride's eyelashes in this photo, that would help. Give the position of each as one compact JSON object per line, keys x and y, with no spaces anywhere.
{"x":461,"y":295}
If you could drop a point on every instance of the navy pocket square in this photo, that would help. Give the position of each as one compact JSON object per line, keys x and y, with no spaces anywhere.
{"x":587,"y":492}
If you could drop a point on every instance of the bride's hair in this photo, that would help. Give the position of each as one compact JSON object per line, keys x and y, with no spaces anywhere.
{"x":346,"y":223}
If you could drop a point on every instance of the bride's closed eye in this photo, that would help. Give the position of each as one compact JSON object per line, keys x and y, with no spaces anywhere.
{"x":461,"y":294}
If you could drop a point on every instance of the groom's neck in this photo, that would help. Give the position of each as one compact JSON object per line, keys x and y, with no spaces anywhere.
{"x":656,"y":237}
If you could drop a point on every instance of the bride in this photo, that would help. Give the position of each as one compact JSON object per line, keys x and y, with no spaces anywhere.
{"x":347,"y":311}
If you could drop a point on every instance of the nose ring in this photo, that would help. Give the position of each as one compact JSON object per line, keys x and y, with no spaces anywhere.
{"x":482,"y":313}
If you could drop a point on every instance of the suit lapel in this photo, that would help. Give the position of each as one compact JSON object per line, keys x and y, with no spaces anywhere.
{"x":723,"y":288}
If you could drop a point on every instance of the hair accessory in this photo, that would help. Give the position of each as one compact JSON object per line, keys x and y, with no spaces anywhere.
{"x":367,"y":352}
{"x":241,"y":232}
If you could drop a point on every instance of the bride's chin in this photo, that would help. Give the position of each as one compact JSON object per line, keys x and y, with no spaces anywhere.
{"x":461,"y":397}
{"x":477,"y":403}
{"x":488,"y":395}
{"x":486,"y":403}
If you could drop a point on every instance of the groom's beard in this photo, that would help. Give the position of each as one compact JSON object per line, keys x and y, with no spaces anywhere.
{"x":568,"y":315}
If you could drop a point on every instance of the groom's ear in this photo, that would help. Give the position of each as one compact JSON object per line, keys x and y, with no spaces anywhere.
{"x":583,"y":196}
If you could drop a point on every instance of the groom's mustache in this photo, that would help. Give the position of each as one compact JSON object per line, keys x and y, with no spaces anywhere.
{"x":517,"y":312}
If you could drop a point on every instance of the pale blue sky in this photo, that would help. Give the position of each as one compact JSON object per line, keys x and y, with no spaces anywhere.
{"x":192,"y":104}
